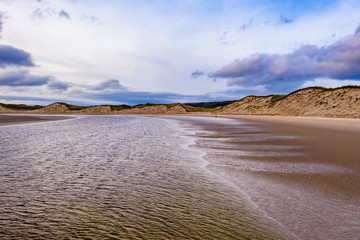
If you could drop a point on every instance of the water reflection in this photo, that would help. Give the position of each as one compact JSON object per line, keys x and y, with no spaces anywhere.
{"x":117,"y":177}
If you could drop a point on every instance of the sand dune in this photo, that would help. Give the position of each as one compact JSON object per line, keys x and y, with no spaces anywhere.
{"x":343,"y":102}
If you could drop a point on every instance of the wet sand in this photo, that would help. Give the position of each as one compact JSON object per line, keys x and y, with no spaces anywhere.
{"x":21,"y":119}
{"x":339,"y":123}
{"x":333,"y":140}
{"x":307,"y":176}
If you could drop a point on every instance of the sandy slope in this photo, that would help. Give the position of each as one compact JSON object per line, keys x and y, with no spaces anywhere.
{"x":313,"y":101}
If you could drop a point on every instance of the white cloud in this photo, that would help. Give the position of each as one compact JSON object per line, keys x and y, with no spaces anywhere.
{"x":155,"y":46}
{"x":330,"y":83}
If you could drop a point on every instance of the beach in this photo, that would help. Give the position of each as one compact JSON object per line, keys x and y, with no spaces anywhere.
{"x":304,"y":172}
{"x":151,"y":176}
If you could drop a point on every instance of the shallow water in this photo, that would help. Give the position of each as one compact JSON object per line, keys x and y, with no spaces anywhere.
{"x":145,"y":177}
{"x":119,"y":177}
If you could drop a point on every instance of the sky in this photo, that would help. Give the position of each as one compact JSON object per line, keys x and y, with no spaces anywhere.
{"x":91,"y":52}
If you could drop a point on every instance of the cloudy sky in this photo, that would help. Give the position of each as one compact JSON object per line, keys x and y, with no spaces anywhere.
{"x":162,"y":51}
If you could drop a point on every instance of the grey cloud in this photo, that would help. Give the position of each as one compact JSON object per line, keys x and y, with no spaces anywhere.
{"x":247,"y":25}
{"x":134,"y":97}
{"x":40,"y":13}
{"x":110,"y":84}
{"x":64,"y":14}
{"x":22,"y":78}
{"x":197,"y":74}
{"x":121,"y":94}
{"x":57,"y":85}
{"x":13,"y":57}
{"x":10,"y":56}
{"x":341,"y":60}
{"x":285,"y":20}
{"x":357,"y":29}
{"x":37,"y":13}
{"x":1,"y":22}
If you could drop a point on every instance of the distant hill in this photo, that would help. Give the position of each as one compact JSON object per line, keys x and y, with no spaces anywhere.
{"x":312,"y":101}
{"x":64,"y":108}
{"x":19,"y":107}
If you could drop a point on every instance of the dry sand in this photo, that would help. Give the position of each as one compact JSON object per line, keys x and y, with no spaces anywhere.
{"x":20,"y":119}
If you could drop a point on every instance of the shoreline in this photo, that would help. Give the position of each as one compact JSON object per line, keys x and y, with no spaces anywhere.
{"x":323,"y":122}
{"x":7,"y":120}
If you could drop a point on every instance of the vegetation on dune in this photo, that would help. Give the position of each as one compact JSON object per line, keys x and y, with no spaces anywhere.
{"x":20,"y":106}
{"x":73,"y":107}
{"x":189,"y":108}
{"x":119,"y":107}
{"x":277,"y":98}
{"x":196,"y":109}
{"x":174,"y":105}
{"x":211,"y":105}
{"x":144,"y":105}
